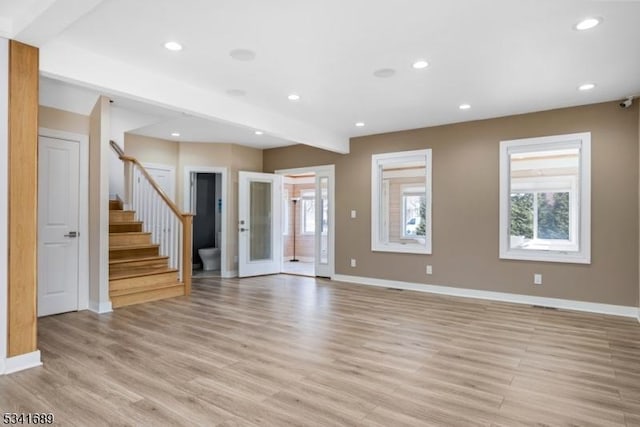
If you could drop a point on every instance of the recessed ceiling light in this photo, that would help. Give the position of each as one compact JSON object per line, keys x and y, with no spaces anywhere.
{"x":464,"y":106}
{"x":419,"y":65}
{"x":360,"y":124}
{"x":384,"y":73}
{"x":586,"y":86}
{"x":293,"y":97}
{"x":175,"y":134}
{"x":236,"y":92}
{"x":258,"y":132}
{"x":175,"y":46}
{"x":587,"y":23}
{"x":243,"y":54}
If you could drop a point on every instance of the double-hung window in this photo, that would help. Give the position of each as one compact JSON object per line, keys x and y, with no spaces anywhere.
{"x":401,"y":202}
{"x":545,"y":198}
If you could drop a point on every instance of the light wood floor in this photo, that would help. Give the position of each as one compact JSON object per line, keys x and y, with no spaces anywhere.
{"x":289,"y":350}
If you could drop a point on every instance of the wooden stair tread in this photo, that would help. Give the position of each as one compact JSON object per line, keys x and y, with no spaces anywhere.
{"x":125,"y":222}
{"x":140,"y":273}
{"x":144,"y":289}
{"x":129,"y":247}
{"x":130,"y":233}
{"x":151,"y":258}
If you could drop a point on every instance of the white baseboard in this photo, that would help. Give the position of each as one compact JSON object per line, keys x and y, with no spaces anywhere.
{"x":591,"y":307}
{"x":101,"y":308}
{"x":20,"y":363}
{"x":229,"y":274}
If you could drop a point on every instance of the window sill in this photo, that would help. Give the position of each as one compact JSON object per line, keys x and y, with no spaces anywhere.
{"x":546,"y":256}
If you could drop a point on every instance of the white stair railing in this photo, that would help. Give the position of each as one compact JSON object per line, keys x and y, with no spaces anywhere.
{"x":157,"y":217}
{"x":169,"y":227}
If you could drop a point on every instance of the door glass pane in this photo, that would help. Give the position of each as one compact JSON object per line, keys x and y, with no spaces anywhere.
{"x":260,"y":221}
{"x":324,"y":219}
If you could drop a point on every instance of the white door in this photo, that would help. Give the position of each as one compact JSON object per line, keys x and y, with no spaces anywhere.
{"x":259,"y":228}
{"x":58,"y":225}
{"x":164,"y":176}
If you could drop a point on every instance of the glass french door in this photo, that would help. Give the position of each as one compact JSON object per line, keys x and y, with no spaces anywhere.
{"x":259,"y":228}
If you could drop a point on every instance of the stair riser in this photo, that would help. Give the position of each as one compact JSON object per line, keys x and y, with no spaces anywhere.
{"x":115,"y":205}
{"x":115,"y":253}
{"x":140,"y":297}
{"x":129,"y":239}
{"x":125,"y":228}
{"x":120,"y":216}
{"x":142,"y":281}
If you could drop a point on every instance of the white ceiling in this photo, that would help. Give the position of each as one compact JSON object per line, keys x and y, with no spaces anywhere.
{"x":501,"y":56}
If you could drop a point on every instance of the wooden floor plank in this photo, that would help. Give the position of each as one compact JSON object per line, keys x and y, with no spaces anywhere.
{"x":297,"y":351}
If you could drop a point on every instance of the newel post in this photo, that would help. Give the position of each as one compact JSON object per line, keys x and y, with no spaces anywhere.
{"x":187,"y":264}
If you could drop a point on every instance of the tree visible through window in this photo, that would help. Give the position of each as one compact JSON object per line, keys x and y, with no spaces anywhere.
{"x":544,"y":203}
{"x":547,"y":219}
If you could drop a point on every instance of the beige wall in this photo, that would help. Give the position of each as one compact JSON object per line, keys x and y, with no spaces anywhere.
{"x":466,"y":204}
{"x":52,"y":118}
{"x":191,"y":154}
{"x":151,"y":150}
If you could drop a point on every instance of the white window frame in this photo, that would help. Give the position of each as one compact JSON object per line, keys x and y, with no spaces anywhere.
{"x":379,"y":191}
{"x":580,"y":198}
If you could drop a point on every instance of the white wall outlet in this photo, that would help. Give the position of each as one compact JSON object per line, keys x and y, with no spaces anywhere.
{"x":353,"y":214}
{"x":537,"y":279}
{"x":429,"y":269}
{"x":353,"y":262}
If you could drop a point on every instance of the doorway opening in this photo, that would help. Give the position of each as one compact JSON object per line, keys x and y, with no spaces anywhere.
{"x":307,"y":218}
{"x":206,"y":201}
{"x":298,"y":224}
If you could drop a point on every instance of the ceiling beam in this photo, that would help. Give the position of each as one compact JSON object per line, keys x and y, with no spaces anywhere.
{"x":47,"y":18}
{"x":70,"y":63}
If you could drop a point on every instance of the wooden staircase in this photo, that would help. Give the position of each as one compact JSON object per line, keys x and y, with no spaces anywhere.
{"x":137,"y":271}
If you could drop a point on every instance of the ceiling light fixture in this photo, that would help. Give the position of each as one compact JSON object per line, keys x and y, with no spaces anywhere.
{"x":384,"y":73}
{"x":293,"y":97}
{"x":586,"y":86}
{"x":243,"y":55}
{"x":464,"y":106}
{"x":174,"y":46}
{"x":420,"y":64}
{"x":587,"y":23}
{"x":259,"y":132}
{"x":175,"y":134}
{"x":360,"y":124}
{"x":236,"y":92}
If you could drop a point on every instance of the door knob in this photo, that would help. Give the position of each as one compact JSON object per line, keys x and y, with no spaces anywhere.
{"x":72,"y":234}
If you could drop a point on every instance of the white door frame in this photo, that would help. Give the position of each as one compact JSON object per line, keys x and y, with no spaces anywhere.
{"x":172,"y":174}
{"x":186,"y":207}
{"x":330,"y":169}
{"x":83,"y":219}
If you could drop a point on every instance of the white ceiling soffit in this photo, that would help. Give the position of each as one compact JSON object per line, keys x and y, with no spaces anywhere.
{"x":64,"y":96}
{"x":195,"y":129}
{"x":77,"y":65}
{"x":36,"y":21}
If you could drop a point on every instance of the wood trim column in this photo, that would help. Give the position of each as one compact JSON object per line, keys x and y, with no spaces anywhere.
{"x":23,"y":198}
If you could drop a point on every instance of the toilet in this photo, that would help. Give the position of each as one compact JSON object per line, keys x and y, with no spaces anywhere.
{"x":210,"y":257}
